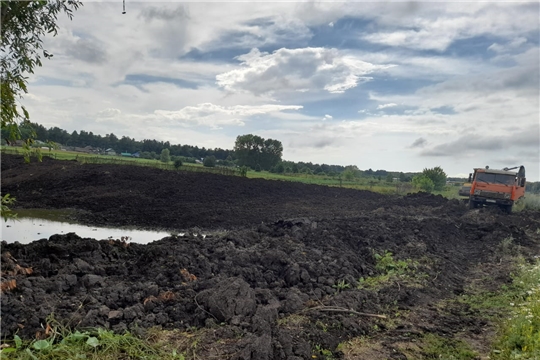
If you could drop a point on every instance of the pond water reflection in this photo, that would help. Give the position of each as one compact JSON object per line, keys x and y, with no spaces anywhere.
{"x":45,"y":223}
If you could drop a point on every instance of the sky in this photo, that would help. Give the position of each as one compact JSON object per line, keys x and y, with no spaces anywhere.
{"x":399,"y":86}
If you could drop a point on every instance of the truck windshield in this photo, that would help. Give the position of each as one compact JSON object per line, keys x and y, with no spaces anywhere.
{"x":496,"y":178}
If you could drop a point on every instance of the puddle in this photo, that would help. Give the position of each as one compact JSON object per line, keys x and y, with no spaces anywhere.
{"x":39,"y":224}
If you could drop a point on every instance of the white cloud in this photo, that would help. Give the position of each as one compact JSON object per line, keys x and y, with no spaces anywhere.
{"x":211,"y":115}
{"x":306,"y":69}
{"x":384,"y":106}
{"x":108,"y":113}
{"x":327,"y":117}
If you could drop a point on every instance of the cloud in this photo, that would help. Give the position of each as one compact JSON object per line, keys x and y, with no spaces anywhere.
{"x":384,"y":106}
{"x":160,"y":13}
{"x":432,"y":28}
{"x":211,"y":115}
{"x":305,"y":69}
{"x":515,"y":43}
{"x":108,"y":113}
{"x":418,"y":143}
{"x":327,"y":117}
{"x":88,"y":50}
{"x":528,"y":138}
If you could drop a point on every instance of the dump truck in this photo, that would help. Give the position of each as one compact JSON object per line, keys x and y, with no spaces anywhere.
{"x":495,"y":187}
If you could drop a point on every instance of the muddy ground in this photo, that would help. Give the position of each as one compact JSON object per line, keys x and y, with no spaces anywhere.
{"x":278,"y":276}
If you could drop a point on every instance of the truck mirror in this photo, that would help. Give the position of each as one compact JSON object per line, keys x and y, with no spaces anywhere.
{"x":470,"y":177}
{"x":522,"y":182}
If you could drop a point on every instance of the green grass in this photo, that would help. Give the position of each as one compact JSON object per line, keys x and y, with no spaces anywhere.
{"x":520,"y":333}
{"x":391,"y":270}
{"x":92,"y":344}
{"x":529,"y":202}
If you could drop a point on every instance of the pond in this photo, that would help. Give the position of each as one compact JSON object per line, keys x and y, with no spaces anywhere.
{"x":36,"y":224}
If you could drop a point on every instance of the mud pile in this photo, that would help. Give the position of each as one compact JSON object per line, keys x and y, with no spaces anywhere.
{"x":247,"y":284}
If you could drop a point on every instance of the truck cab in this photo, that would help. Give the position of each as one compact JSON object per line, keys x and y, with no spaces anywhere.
{"x":496,"y":187}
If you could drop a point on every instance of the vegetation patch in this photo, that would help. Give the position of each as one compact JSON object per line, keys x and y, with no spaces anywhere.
{"x":391,"y":270}
{"x":520,"y":333}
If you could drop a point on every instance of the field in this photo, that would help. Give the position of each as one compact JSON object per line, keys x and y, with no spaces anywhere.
{"x":265,"y":270}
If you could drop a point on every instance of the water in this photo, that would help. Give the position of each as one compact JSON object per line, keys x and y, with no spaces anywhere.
{"x":36,"y":224}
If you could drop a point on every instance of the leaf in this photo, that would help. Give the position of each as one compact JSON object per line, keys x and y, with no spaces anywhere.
{"x":8,"y":350}
{"x":41,"y":345}
{"x":29,"y":352}
{"x":92,"y":341}
{"x":18,"y":341}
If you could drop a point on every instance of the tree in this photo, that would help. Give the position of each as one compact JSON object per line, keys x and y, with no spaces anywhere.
{"x":24,"y":24}
{"x":258,"y":168}
{"x":209,"y":161}
{"x":422,"y":182}
{"x":389,"y":178}
{"x":251,"y":150}
{"x":165,"y":156}
{"x":348,"y":174}
{"x":437,"y":175}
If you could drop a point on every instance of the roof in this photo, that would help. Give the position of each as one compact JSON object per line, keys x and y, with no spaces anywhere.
{"x":125,"y":154}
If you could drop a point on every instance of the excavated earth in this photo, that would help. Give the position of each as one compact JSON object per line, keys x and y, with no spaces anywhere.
{"x":276,"y":276}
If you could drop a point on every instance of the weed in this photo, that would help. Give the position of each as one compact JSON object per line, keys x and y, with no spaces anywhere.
{"x":63,"y":343}
{"x":319,"y":350}
{"x":391,"y":270}
{"x":520,"y":333}
{"x":341,"y":285}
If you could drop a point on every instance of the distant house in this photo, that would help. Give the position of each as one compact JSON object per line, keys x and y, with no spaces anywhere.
{"x":126,"y":154}
{"x":110,"y":151}
{"x":136,"y":154}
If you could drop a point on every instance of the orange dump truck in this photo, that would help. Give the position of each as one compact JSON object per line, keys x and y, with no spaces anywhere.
{"x":496,"y":187}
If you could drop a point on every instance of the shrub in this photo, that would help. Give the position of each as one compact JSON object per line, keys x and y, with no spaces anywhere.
{"x":437,"y":175}
{"x":209,"y":161}
{"x":165,"y":156}
{"x":423,"y":183}
{"x":178,"y":163}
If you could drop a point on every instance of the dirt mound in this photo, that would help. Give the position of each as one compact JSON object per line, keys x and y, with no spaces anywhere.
{"x":286,"y":276}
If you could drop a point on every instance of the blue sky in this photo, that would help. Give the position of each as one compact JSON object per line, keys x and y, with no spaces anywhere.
{"x":397,"y":85}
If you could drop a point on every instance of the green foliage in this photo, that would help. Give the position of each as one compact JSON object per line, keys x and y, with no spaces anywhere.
{"x":390,"y":269}
{"x":424,"y":183}
{"x":437,"y":175}
{"x":165,"y":156}
{"x":341,"y":285}
{"x":349,"y":174}
{"x":92,"y":344}
{"x":437,"y":347}
{"x":178,"y":164}
{"x":295,"y":169}
{"x":252,"y":150}
{"x":258,"y":168}
{"x":5,"y":210}
{"x":209,"y":161}
{"x":520,"y":335}
{"x":280,"y":169}
{"x":389,"y":178}
{"x":243,"y":171}
{"x":24,"y":24}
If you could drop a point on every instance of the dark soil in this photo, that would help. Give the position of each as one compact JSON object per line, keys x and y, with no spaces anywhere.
{"x":286,"y":248}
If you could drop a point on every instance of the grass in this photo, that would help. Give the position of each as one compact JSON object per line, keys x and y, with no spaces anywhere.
{"x":529,"y":202}
{"x":94,"y":344}
{"x":391,"y":270}
{"x":519,"y":336}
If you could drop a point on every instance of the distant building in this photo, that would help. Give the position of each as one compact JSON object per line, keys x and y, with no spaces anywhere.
{"x":136,"y":154}
{"x":110,"y":151}
{"x":126,"y":154}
